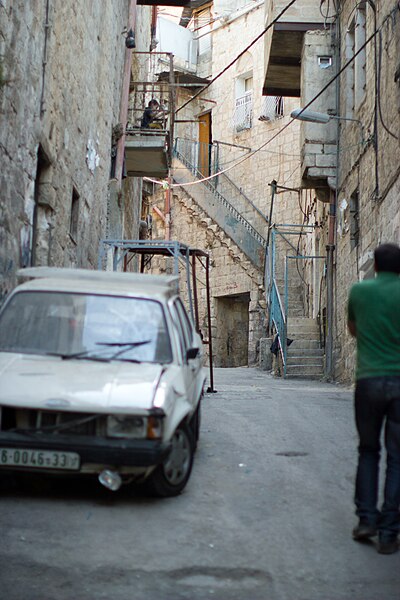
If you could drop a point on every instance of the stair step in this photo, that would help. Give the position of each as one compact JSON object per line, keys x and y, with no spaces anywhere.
{"x":307,"y":327}
{"x":314,"y":376}
{"x":305,"y":344}
{"x":305,"y":361}
{"x":302,"y":321}
{"x":297,"y":335}
{"x":294,"y":350}
{"x":304,"y":370}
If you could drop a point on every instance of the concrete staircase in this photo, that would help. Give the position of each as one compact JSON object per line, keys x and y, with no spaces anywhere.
{"x":305,"y":358}
{"x":222,"y":212}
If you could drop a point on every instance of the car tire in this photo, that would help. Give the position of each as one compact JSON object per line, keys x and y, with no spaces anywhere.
{"x":170,"y":477}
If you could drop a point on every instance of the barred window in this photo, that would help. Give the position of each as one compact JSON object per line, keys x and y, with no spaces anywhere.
{"x":272,"y":108}
{"x":243,"y":113}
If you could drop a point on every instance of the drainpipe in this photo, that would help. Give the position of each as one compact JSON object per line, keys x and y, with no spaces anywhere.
{"x":375,"y":138}
{"x":123,"y":113}
{"x":168,"y":209}
{"x":330,"y":247}
{"x":44,"y":62}
{"x":153,"y":30}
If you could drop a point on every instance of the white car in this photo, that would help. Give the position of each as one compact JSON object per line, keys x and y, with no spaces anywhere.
{"x":100,"y":373}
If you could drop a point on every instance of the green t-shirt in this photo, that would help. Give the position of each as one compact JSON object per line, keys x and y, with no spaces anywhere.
{"x":374,"y":306}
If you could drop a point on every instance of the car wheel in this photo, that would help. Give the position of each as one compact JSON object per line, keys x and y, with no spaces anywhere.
{"x":170,"y":478}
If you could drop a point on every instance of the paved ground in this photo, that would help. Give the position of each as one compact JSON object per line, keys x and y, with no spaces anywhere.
{"x":267,"y":514}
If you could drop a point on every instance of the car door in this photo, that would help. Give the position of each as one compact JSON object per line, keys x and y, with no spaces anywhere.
{"x":192,"y":368}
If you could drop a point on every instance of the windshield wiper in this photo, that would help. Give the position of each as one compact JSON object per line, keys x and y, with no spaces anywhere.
{"x":128,"y":346}
{"x":107,"y":345}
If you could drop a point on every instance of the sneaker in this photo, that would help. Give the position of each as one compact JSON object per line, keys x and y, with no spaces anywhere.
{"x":387,"y":545}
{"x":364,"y":531}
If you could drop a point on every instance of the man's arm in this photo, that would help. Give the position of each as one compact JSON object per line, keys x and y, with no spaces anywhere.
{"x":351,"y":317}
{"x":352,"y":328}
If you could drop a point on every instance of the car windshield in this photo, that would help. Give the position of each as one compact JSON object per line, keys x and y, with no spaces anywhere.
{"x":76,"y":325}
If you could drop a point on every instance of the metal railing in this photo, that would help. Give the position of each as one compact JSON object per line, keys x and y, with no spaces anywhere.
{"x":273,"y":108}
{"x":243,"y":115}
{"x":159,"y":87}
{"x":236,"y":192}
{"x":277,"y":318}
{"x":188,"y":153}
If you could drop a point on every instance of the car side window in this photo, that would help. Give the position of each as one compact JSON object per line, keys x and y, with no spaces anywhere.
{"x":181,"y":332}
{"x":186,"y":325}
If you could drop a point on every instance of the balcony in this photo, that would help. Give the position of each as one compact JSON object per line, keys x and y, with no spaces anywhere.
{"x":284,"y":45}
{"x":149,"y":129}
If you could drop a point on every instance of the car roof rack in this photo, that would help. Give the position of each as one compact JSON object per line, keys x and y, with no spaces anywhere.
{"x":169,"y":281}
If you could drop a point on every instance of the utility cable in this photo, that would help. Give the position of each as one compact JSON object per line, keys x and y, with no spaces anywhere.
{"x":251,"y":154}
{"x":379,"y":89}
{"x":237,"y":57}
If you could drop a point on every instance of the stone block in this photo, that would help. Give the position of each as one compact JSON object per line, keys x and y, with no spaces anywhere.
{"x":265,"y":355}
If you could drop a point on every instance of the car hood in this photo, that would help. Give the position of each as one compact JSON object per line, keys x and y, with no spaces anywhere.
{"x":45,"y":382}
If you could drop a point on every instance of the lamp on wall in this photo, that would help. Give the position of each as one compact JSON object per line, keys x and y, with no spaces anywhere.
{"x":303,"y":114}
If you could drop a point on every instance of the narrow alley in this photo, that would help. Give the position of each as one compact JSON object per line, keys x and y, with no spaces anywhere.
{"x":267,"y":514}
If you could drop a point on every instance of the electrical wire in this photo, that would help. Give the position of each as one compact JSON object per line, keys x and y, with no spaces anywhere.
{"x":251,"y":154}
{"x":379,"y":88}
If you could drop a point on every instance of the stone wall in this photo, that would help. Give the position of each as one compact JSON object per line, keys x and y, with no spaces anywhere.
{"x":60,"y":98}
{"x":234,"y":281}
{"x":270,"y":159}
{"x":369,"y":171}
{"x":238,"y":300}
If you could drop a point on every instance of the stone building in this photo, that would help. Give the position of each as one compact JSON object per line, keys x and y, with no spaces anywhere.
{"x":64,"y":85}
{"x":349,"y":138}
{"x":226,"y":158}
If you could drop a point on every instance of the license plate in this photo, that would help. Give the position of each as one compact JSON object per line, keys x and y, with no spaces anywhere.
{"x":39,"y":459}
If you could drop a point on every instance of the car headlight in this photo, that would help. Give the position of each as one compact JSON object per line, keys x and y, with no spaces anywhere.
{"x":134,"y":427}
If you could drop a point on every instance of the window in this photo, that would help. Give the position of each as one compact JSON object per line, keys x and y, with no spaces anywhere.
{"x":73,"y":223}
{"x":243,"y":114}
{"x":272,"y":108}
{"x":324,"y":62}
{"x":356,"y":38}
{"x":203,"y":30}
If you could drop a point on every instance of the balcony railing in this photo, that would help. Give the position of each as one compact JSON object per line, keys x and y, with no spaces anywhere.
{"x":243,"y":115}
{"x":273,"y":108}
{"x":150,"y":125}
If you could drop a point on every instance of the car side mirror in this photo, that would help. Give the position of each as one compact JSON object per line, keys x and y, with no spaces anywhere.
{"x":192,"y":353}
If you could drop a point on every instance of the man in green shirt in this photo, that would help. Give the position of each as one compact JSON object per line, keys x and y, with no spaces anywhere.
{"x":374,"y":320}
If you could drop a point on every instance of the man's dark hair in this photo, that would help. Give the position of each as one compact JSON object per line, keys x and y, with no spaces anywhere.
{"x":387,"y":258}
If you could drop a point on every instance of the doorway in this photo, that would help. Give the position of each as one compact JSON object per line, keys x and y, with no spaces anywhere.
{"x":232,"y":337}
{"x":204,"y":156}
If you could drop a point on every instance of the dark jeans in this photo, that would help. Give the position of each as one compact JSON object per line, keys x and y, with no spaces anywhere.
{"x":377,"y":402}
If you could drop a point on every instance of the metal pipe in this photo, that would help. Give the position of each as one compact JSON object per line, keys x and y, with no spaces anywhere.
{"x":44,"y":63}
{"x":273,"y":192}
{"x":210,"y":352}
{"x":123,"y":114}
{"x":330,"y":247}
{"x":196,"y":304}
{"x":168,"y":209}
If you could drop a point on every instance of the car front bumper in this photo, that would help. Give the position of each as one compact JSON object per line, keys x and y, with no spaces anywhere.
{"x":91,"y":449}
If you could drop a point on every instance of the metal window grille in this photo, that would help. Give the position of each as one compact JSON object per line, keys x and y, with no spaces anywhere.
{"x":243,"y":116}
{"x":273,"y":108}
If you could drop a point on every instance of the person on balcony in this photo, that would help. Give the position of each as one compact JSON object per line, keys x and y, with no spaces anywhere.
{"x":153,"y":116}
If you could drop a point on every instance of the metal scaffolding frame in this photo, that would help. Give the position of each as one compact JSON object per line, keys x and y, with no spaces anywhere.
{"x":123,"y":251}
